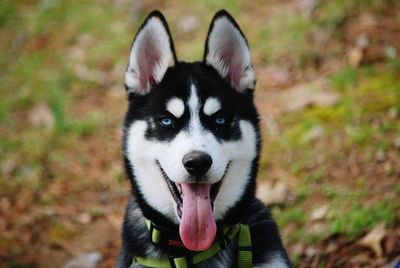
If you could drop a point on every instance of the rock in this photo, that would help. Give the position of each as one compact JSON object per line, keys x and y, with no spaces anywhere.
{"x":388,"y":168}
{"x":318,"y":228}
{"x":298,"y":249}
{"x":362,"y":41}
{"x":306,"y":7}
{"x":319,"y":213}
{"x":84,"y":218}
{"x":355,"y":56}
{"x":5,"y":204}
{"x":8,"y":166}
{"x":271,"y":125}
{"x":41,"y":116}
{"x":332,"y":247}
{"x":277,"y":194}
{"x":89,"y":260}
{"x":360,"y":259}
{"x":289,"y":229}
{"x":380,"y":156}
{"x":368,"y":20}
{"x":397,"y":142}
{"x":188,"y":23}
{"x":311,"y":251}
{"x":91,"y":75}
{"x":393,"y":113}
{"x":391,"y":52}
{"x":274,"y":76}
{"x":313,"y":134}
{"x":373,"y":239}
{"x":85,"y":40}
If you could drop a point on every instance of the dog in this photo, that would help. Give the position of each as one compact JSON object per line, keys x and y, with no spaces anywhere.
{"x":191,"y":145}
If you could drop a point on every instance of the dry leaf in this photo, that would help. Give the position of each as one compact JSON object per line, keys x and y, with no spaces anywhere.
{"x":392,"y":244}
{"x":41,"y":115}
{"x":355,"y":56}
{"x":89,"y":260}
{"x":319,"y":213}
{"x":273,"y":194}
{"x":360,"y":259}
{"x":316,"y":93}
{"x":274,"y":76}
{"x":114,"y":220}
{"x":188,"y":24}
{"x":374,"y":238}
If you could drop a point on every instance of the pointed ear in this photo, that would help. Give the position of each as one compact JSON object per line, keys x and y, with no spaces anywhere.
{"x":228,"y":52}
{"x":152,"y":52}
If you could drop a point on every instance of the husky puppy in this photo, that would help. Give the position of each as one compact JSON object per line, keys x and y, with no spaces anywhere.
{"x":191,"y":147}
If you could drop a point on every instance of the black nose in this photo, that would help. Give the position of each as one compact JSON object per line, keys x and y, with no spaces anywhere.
{"x":197,"y":163}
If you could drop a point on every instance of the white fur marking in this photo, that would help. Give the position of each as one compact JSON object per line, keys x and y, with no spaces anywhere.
{"x":176,"y":107}
{"x":211,"y":106}
{"x":194,"y":106}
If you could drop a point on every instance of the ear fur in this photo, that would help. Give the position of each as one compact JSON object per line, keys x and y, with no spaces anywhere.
{"x":152,"y":52}
{"x":227,"y":51}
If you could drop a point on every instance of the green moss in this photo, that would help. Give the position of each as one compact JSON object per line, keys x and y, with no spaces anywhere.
{"x":359,"y":134}
{"x":86,"y":125}
{"x":328,"y":116}
{"x":290,"y":215}
{"x":344,"y":79}
{"x":317,"y":175}
{"x":356,"y":219}
{"x":378,"y":94}
{"x":303,"y":191}
{"x":60,"y":232}
{"x":7,"y":11}
{"x":297,"y":30}
{"x":96,"y":212}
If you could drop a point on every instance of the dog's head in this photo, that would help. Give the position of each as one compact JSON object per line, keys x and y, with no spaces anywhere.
{"x":191,"y":132}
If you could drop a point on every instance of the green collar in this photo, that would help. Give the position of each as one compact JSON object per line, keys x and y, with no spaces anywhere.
{"x":244,"y":249}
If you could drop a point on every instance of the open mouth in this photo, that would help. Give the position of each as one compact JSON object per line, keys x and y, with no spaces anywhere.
{"x":195,"y":202}
{"x":177,"y":193}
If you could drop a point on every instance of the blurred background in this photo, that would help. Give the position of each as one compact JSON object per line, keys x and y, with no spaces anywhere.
{"x":328,"y":93}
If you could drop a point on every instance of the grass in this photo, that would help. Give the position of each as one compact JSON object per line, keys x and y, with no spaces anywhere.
{"x":358,"y":123}
{"x":345,"y":79}
{"x":356,"y":219}
{"x":40,"y":69}
{"x":275,"y":40}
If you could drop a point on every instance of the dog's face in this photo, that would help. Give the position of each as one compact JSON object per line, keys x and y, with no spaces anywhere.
{"x":191,"y":131}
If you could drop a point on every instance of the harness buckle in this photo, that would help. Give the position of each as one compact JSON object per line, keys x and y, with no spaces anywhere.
{"x":181,"y":262}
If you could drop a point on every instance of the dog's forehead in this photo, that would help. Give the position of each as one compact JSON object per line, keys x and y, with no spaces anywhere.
{"x":192,"y":98}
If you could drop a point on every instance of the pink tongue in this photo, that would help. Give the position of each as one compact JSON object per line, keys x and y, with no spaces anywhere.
{"x":197,"y":228}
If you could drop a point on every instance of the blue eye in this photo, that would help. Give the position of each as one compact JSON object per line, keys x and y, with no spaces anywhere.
{"x":166,"y":121}
{"x":220,"y":120}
